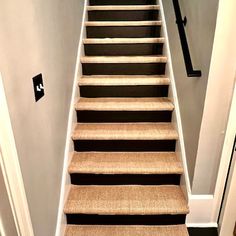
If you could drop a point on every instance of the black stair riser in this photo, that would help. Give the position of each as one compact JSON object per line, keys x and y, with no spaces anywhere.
{"x":123,"y":15}
{"x":124,"y":91}
{"x":123,"y":31}
{"x":123,"y":116}
{"x":139,"y":49}
{"x":122,"y":2}
{"x":123,"y":68}
{"x":125,"y":179}
{"x":125,"y":219}
{"x":124,"y":145}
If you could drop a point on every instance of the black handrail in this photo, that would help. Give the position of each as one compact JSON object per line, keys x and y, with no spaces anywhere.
{"x":184,"y":43}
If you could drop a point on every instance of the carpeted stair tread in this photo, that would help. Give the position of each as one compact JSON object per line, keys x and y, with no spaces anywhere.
{"x":123,"y":23}
{"x":123,"y":80}
{"x":126,"y":200}
{"x":132,"y":230}
{"x":125,"y":163}
{"x":124,"y":131}
{"x":123,"y":7}
{"x":123,"y":59}
{"x":122,"y":40}
{"x":124,"y":104}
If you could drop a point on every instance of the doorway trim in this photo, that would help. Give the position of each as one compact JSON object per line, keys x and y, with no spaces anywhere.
{"x":9,"y":163}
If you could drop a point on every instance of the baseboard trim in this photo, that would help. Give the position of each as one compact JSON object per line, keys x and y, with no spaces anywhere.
{"x":61,"y":219}
{"x":201,"y":208}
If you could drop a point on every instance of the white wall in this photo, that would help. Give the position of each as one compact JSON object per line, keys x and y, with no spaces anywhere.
{"x":40,"y":37}
{"x":218,"y":100}
{"x":191,"y":91}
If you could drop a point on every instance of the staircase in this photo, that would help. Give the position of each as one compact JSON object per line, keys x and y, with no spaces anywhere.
{"x":125,"y":174}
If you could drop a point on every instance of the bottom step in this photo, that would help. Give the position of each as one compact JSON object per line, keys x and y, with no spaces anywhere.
{"x":89,"y":230}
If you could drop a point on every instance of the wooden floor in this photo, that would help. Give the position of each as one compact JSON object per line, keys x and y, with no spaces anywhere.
{"x":202,"y":231}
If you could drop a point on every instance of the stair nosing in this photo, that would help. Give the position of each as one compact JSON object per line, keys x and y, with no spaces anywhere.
{"x":109,"y":80}
{"x":123,"y":23}
{"x":123,"y":59}
{"x":123,"y":40}
{"x":124,"y":104}
{"x":167,"y":230}
{"x":126,"y":131}
{"x":122,"y":7}
{"x":169,"y":163}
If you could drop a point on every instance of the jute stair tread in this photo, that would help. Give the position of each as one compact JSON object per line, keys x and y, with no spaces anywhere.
{"x":125,"y":163}
{"x":124,"y":131}
{"x":124,"y":104}
{"x":123,"y":80}
{"x":132,"y":230}
{"x":122,"y":40}
{"x":123,"y":7}
{"x":123,"y":59}
{"x":126,"y":200}
{"x":123,"y":23}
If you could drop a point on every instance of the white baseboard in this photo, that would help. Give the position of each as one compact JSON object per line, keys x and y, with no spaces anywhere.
{"x":61,"y":221}
{"x":201,"y":208}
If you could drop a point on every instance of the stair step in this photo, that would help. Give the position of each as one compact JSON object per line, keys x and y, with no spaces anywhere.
{"x":123,"y":23}
{"x":123,"y":7}
{"x":123,"y":40}
{"x":124,"y":104}
{"x":123,"y":59}
{"x":123,"y":80}
{"x":134,"y":230}
{"x":122,"y":2}
{"x":125,"y":163}
{"x":124,"y":131}
{"x":126,"y":200}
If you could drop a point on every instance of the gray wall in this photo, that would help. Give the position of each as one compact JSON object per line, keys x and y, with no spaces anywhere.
{"x":40,"y":37}
{"x":7,"y":224}
{"x":191,"y":91}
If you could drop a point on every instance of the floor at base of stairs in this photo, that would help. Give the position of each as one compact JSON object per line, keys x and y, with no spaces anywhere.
{"x":202,"y":231}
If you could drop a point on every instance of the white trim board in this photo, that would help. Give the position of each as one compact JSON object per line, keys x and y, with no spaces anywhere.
{"x":225,"y":157}
{"x":204,"y":225}
{"x":11,"y":170}
{"x":61,"y":221}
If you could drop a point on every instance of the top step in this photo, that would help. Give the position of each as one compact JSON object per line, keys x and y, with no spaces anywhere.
{"x":123,"y":8}
{"x":122,"y":2}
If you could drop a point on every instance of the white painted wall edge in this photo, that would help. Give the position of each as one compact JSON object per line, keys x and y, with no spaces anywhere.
{"x":225,"y":157}
{"x":176,"y":102}
{"x":204,"y":209}
{"x":63,"y":194}
{"x":11,"y":170}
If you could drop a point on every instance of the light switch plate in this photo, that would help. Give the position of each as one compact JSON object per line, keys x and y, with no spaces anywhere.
{"x":38,"y":87}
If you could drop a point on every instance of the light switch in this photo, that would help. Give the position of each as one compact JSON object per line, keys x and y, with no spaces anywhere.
{"x":38,"y":87}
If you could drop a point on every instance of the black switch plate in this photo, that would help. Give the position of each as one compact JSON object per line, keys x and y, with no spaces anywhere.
{"x":38,"y":87}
